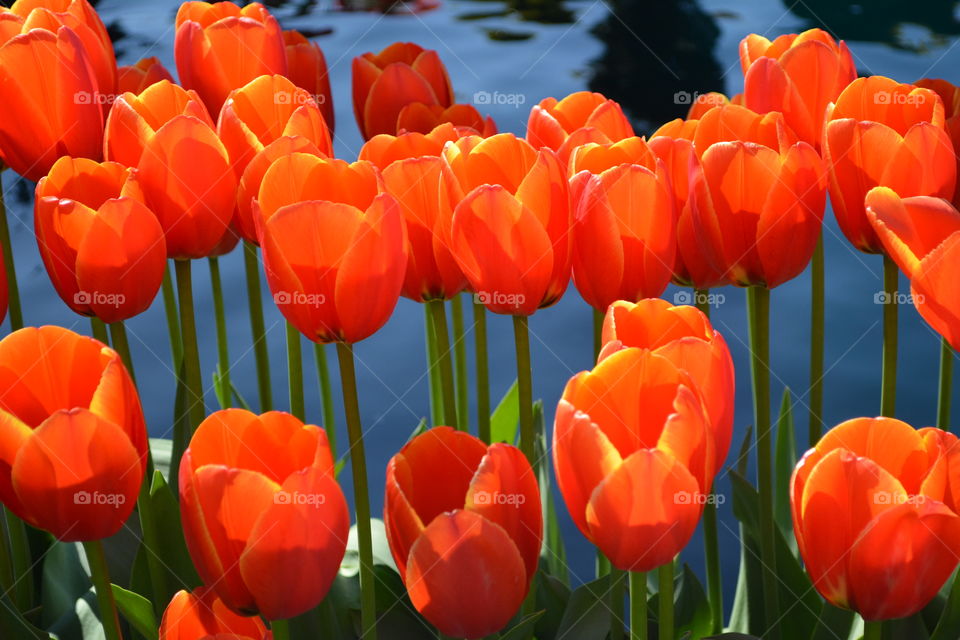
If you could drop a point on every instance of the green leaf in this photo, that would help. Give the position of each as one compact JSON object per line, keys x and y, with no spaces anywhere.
{"x":733,"y":636}
{"x":381,"y":549}
{"x":553,"y":552}
{"x":65,"y":583}
{"x":691,"y":608}
{"x":16,"y":627}
{"x":180,"y":573}
{"x":522,"y":630}
{"x":137,"y":610}
{"x":161,"y":449}
{"x":505,"y":419}
{"x":587,"y":616}
{"x":747,"y":612}
{"x":784,"y":460}
{"x":552,"y":597}
{"x":743,"y":457}
{"x":219,"y":390}
{"x":240,"y":401}
{"x":833,"y":623}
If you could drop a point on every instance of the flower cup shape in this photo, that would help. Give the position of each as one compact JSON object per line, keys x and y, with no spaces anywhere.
{"x":386,"y":82}
{"x":265,"y":521}
{"x":197,"y":614}
{"x":137,"y":77}
{"x":478,"y":524}
{"x":511,"y":234}
{"x":579,"y":118}
{"x":334,"y":245}
{"x":103,"y":248}
{"x":220,"y":47}
{"x":882,"y":133}
{"x":922,"y":235}
{"x":950,"y":95}
{"x":384,"y":149}
{"x":424,"y":118}
{"x":73,"y":444}
{"x":797,"y":75}
{"x":307,"y":68}
{"x":634,"y":455}
{"x":703,"y":102}
{"x":896,"y":542}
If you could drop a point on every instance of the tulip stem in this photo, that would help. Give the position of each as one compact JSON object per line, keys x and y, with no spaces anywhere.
{"x":521,"y":334}
{"x":358,"y":465}
{"x":433,"y":373}
{"x":101,"y":583}
{"x":260,"y":352}
{"x":194,"y":405}
{"x":638,"y":605}
{"x":443,"y":362}
{"x":602,"y":564}
{"x":946,"y":384}
{"x":460,"y":363}
{"x":224,"y":388}
{"x":483,"y":375}
{"x":22,"y":561}
{"x":700,"y":300}
{"x":323,"y":377}
{"x":597,"y":333}
{"x":711,"y":552}
{"x":888,"y":393}
{"x":758,"y":305}
{"x":13,"y":291}
{"x":173,"y":322}
{"x":665,"y":617}
{"x":295,"y":372}
{"x":815,"y":426}
{"x":872,"y":630}
{"x":280,"y":629}
{"x":99,"y":330}
{"x":118,"y":335}
{"x":618,"y":579}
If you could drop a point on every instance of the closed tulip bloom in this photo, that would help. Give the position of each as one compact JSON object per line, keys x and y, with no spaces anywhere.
{"x":511,"y":233}
{"x":458,"y":512}
{"x":882,"y":133}
{"x":73,"y":444}
{"x":634,"y":456}
{"x":703,"y":102}
{"x":307,"y":68}
{"x":220,"y":47}
{"x":199,"y":614}
{"x":137,"y":77}
{"x":48,"y":68}
{"x":384,"y":149}
{"x":265,"y":521}
{"x":103,"y":248}
{"x":797,"y":75}
{"x":593,"y":158}
{"x":897,"y":542}
{"x":334,"y":246}
{"x":579,"y":118}
{"x":386,"y":82}
{"x":427,"y":117}
{"x":950,"y":95}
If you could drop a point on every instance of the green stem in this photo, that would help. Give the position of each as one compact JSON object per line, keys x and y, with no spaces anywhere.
{"x":603,"y":565}
{"x":888,"y":393}
{"x":323,"y":376}
{"x":460,"y":363}
{"x":118,"y":335}
{"x":260,"y":352}
{"x":711,"y":552}
{"x":701,"y":298}
{"x":443,"y":363}
{"x":638,"y":605}
{"x":223,"y":351}
{"x":597,"y":333}
{"x":101,"y":583}
{"x":872,"y":630}
{"x":295,"y":372}
{"x":173,"y":322}
{"x":815,"y":426}
{"x":946,"y":384}
{"x":758,"y":304}
{"x":99,"y":330}
{"x":280,"y":629}
{"x":358,"y":465}
{"x":433,"y":373}
{"x":13,"y":291}
{"x":483,"y":375}
{"x":521,"y":334}
{"x":665,"y":617}
{"x":22,"y":561}
{"x":618,"y":580}
{"x":193,"y":404}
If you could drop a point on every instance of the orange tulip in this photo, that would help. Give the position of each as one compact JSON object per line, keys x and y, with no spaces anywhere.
{"x":73,"y":445}
{"x":593,"y":158}
{"x":922,"y":235}
{"x":220,"y":47}
{"x":703,"y":102}
{"x":797,"y":75}
{"x":950,"y":94}
{"x":424,"y":118}
{"x":384,"y":149}
{"x":199,"y":614}
{"x":386,"y":82}
{"x":579,"y":118}
{"x":334,"y":246}
{"x":897,"y":542}
{"x":634,"y":457}
{"x":136,"y":78}
{"x":265,"y":521}
{"x":881,"y":133}
{"x":307,"y":68}
{"x":511,"y":234}
{"x":103,"y":248}
{"x":48,"y":68}
{"x":458,"y":512}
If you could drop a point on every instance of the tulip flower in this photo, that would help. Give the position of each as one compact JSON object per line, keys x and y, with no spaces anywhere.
{"x":73,"y":446}
{"x":593,"y":158}
{"x":950,"y":95}
{"x":579,"y":118}
{"x":458,"y":512}
{"x":797,"y":75}
{"x":220,"y":47}
{"x":192,"y":615}
{"x":386,"y":82}
{"x":703,"y":102}
{"x":897,"y":542}
{"x":424,"y":118}
{"x":881,"y":133}
{"x":265,"y":521}
{"x":307,"y":68}
{"x":103,"y":248}
{"x":384,"y":149}
{"x":136,"y":78}
{"x":49,"y":68}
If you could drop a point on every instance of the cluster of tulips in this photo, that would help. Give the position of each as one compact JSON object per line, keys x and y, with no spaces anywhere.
{"x":133,"y":169}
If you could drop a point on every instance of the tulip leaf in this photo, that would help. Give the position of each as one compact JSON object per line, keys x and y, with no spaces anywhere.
{"x":219,"y":388}
{"x":65,"y":583}
{"x":381,"y":549}
{"x":732,"y":636}
{"x":554,"y":551}
{"x":161,"y":449}
{"x":747,"y":612}
{"x":552,"y":597}
{"x":785,"y":458}
{"x":833,"y":622}
{"x":691,"y":606}
{"x":180,"y":572}
{"x":394,"y":609}
{"x":14,"y":625}
{"x":743,"y":457}
{"x":587,"y":616}
{"x":523,"y":629}
{"x":137,"y":610}
{"x":505,"y":419}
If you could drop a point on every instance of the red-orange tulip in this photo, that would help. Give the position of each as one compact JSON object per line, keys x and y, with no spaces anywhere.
{"x":200,"y":614}
{"x":922,"y":235}
{"x":265,"y":521}
{"x":334,"y":246}
{"x":307,"y":68}
{"x":703,"y":102}
{"x":897,"y":542}
{"x":136,"y":78}
{"x":424,"y":118}
{"x":797,"y":75}
{"x":103,"y":248}
{"x":458,"y":512}
{"x":634,"y":457}
{"x":220,"y":47}
{"x":73,"y":444}
{"x":593,"y":158}
{"x":386,"y":82}
{"x":881,"y":133}
{"x":579,"y":118}
{"x":384,"y":149}
{"x":950,"y":94}
{"x":511,"y":234}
